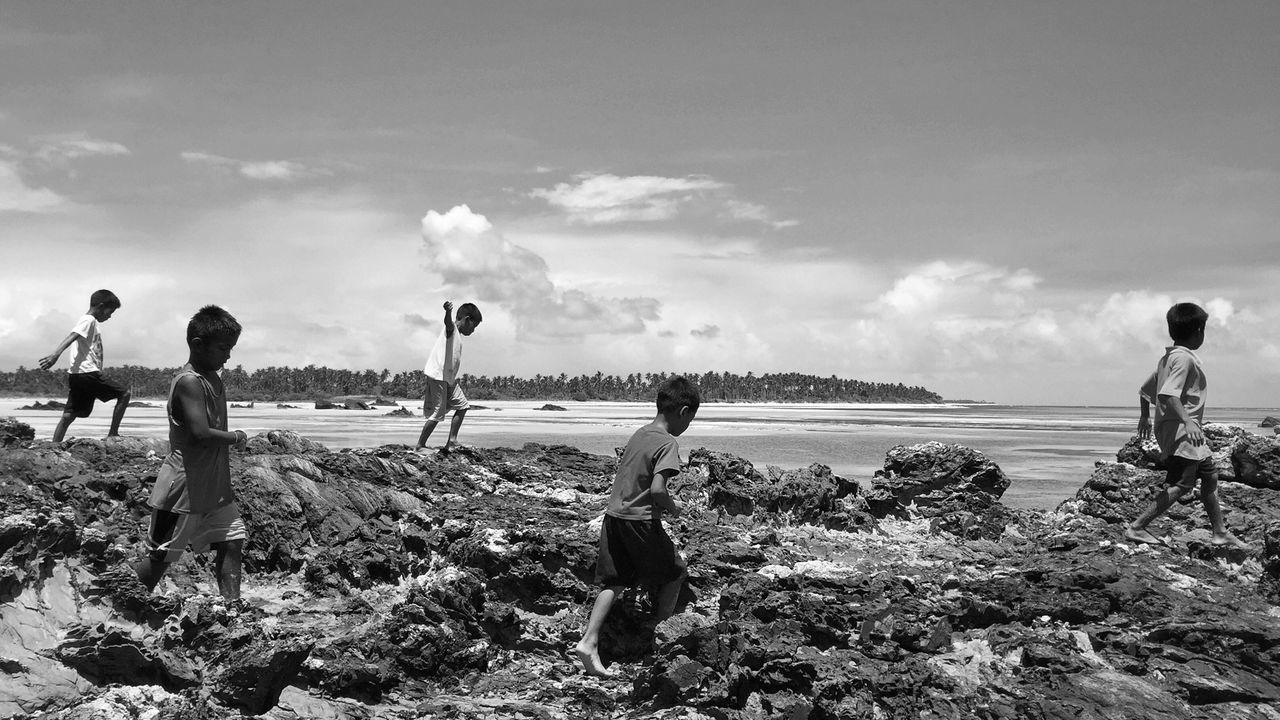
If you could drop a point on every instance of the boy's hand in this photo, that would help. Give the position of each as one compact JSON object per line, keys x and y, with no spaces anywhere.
{"x":1144,"y":429}
{"x":48,"y":361}
{"x":448,"y":306}
{"x":1194,"y":433}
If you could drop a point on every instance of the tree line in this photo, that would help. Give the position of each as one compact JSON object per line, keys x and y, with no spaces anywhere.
{"x":284,"y":384}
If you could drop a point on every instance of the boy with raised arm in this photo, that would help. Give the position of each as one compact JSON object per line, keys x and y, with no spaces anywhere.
{"x":444,"y":386}
{"x":85,"y":380}
{"x":1177,"y":389}
{"x":192,"y":502}
{"x":635,"y":549}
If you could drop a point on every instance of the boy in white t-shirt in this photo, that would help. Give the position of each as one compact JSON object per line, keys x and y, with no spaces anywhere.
{"x":1178,"y":390}
{"x":85,"y":381}
{"x":444,"y":389}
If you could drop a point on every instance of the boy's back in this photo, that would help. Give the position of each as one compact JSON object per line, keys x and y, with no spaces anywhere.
{"x":651,"y":450}
{"x":1179,"y":375}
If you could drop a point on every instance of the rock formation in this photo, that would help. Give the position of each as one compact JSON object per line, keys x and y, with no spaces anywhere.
{"x":386,"y":584}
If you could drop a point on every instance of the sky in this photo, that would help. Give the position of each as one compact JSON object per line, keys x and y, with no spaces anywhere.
{"x":994,"y":200}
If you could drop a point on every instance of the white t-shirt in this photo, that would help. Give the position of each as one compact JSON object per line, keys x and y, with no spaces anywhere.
{"x":87,"y":356}
{"x":445,"y":357}
{"x":1180,"y":375}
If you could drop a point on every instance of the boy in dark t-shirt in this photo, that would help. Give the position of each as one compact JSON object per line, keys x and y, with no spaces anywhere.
{"x":634,"y":547}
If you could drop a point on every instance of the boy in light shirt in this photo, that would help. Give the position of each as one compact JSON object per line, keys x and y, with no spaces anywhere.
{"x":444,"y":388}
{"x":1178,"y":390}
{"x":85,"y":380}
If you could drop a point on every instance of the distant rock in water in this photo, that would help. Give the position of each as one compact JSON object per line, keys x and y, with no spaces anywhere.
{"x":326,"y":405}
{"x":247,"y":406}
{"x":50,"y":405}
{"x":549,"y":406}
{"x":14,"y":432}
{"x":381,"y":582}
{"x":284,"y":406}
{"x":399,"y":412}
{"x":1269,"y":421}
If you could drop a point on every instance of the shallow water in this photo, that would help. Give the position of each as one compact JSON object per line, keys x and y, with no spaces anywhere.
{"x":1047,"y":452}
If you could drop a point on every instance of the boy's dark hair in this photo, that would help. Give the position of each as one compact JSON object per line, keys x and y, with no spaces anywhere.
{"x":1185,"y":320}
{"x":469,"y":310}
{"x":104,"y":297}
{"x":213,"y":322}
{"x":677,"y":392}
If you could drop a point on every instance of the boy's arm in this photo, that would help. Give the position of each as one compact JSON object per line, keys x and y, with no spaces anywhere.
{"x":448,"y":318}
{"x":1145,"y":396}
{"x":662,"y":496}
{"x":49,"y":360}
{"x":1173,"y":406}
{"x":190,"y":397}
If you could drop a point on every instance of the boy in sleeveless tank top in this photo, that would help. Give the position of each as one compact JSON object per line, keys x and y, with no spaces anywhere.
{"x":192,"y":502}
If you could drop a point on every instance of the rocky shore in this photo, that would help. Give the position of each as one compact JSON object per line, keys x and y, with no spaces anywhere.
{"x":384,"y":583}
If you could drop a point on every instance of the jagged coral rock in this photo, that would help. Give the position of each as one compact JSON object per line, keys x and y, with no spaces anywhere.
{"x":384,"y":583}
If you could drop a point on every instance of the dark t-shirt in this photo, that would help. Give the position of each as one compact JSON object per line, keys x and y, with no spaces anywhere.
{"x":651,"y":450}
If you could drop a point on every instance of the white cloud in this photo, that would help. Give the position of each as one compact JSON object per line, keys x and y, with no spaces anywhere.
{"x":58,"y":149}
{"x":470,"y":255}
{"x":17,"y":196}
{"x":273,"y":170}
{"x":605,"y":198}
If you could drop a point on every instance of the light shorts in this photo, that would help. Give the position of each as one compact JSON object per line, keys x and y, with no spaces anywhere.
{"x":441,"y":398}
{"x":172,"y":532}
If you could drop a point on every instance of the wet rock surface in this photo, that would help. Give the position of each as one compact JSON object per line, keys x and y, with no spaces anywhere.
{"x":386,"y":583}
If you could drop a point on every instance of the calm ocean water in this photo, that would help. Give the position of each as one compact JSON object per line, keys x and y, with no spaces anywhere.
{"x":1047,"y":452}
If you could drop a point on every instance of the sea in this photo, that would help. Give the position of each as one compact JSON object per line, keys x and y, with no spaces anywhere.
{"x":1046,"y":451}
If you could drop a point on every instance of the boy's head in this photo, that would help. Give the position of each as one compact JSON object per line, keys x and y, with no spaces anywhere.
{"x":102,"y":304}
{"x":211,"y":335}
{"x":1186,"y":324}
{"x":467,"y":318}
{"x":678,"y":401}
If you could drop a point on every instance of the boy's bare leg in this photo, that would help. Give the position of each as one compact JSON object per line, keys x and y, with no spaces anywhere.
{"x":1212,"y":508}
{"x":668,"y":595}
{"x":122,"y":404}
{"x":454,"y":427}
{"x":427,"y":427}
{"x":1137,"y":530}
{"x":587,"y":650}
{"x":227,"y":563}
{"x":63,"y":423}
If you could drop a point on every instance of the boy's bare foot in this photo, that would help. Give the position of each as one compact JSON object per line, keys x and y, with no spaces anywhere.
{"x":446,"y":449}
{"x":1230,"y":540}
{"x":591,"y":664}
{"x":1141,"y":536}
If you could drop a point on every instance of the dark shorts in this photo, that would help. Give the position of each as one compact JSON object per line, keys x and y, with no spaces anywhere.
{"x":1184,"y":471}
{"x":635,"y":553}
{"x":87,"y":387}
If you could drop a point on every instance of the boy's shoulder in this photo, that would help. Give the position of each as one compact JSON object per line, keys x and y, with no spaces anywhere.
{"x":650,"y":435}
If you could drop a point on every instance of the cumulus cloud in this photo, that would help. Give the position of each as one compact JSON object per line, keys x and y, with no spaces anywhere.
{"x":595,"y":199}
{"x":948,"y":317}
{"x":472,"y":256}
{"x":708,"y":332}
{"x":272,"y":170}
{"x":17,"y":196}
